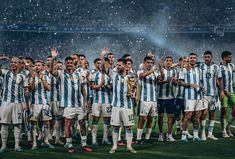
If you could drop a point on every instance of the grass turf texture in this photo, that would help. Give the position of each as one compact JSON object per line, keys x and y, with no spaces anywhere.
{"x":223,"y":148}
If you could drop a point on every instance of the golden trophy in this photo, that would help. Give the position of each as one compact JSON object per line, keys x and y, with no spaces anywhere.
{"x":131,"y":86}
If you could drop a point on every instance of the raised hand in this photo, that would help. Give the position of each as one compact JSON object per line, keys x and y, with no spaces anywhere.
{"x":54,"y":52}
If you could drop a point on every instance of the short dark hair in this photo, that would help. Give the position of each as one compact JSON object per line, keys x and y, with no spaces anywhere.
{"x":81,"y":55}
{"x":122,"y":60}
{"x":49,"y":56}
{"x":110,"y":53}
{"x":208,"y":53}
{"x":97,"y":59}
{"x":169,"y":57}
{"x":30,"y":59}
{"x":40,"y":61}
{"x":125,"y":56}
{"x":129,"y":61}
{"x":193,"y":54}
{"x":59,"y":62}
{"x":75,"y":54}
{"x":147,"y":58}
{"x":68,"y":58}
{"x":225,"y":54}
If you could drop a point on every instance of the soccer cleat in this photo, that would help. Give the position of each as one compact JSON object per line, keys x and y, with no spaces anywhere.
{"x":113,"y":150}
{"x":2,"y":150}
{"x":71,"y":149}
{"x":95,"y":144}
{"x":203,"y":137}
{"x":58,"y":142}
{"x":34,"y":147}
{"x":19,"y":149}
{"x":229,"y":132}
{"x":139,"y":142}
{"x":211,"y":137}
{"x":225,"y":135}
{"x":106,"y":142}
{"x":184,"y":140}
{"x":189,"y":136}
{"x":87,"y":149}
{"x":197,"y":139}
{"x":170,"y":138}
{"x":130,"y":149}
{"x":160,"y":138}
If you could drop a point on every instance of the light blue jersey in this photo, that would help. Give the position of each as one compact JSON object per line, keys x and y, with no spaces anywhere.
{"x":209,"y":77}
{"x":193,"y":76}
{"x":13,"y":88}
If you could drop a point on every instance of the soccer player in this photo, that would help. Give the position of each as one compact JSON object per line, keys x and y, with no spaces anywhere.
{"x":56,"y":110}
{"x":12,"y":102}
{"x":148,"y":77}
{"x":100,"y":84}
{"x":191,"y":78}
{"x":39,"y":85}
{"x":122,"y":109}
{"x":166,"y":99}
{"x":210,"y":75}
{"x":228,"y":97}
{"x":73,"y":99}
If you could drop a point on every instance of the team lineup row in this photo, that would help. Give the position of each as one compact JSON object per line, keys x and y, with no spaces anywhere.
{"x":61,"y":96}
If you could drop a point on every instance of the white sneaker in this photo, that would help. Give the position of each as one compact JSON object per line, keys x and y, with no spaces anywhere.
{"x":212,"y":137}
{"x":161,"y":137}
{"x":225,"y":135}
{"x":113,"y":150}
{"x":170,"y":138}
{"x":189,"y":136}
{"x":203,"y":137}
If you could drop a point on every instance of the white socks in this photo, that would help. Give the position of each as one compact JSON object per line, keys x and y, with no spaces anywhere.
{"x":4,"y":136}
{"x":17,"y":135}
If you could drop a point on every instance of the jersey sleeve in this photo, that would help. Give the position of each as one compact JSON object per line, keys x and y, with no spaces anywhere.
{"x":181,"y":74}
{"x":219,"y":75}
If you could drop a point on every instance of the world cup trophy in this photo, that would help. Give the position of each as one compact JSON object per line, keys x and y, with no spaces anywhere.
{"x":131,"y":86}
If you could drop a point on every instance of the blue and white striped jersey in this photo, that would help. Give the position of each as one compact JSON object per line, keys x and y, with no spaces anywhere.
{"x":39,"y":94}
{"x":179,"y":89}
{"x":193,"y":76}
{"x":70,"y":89}
{"x":209,"y":78}
{"x":55,"y":89}
{"x":120,"y":98}
{"x":148,"y":86}
{"x":226,"y":73}
{"x":102,"y":95}
{"x":13,"y":88}
{"x":165,"y":90}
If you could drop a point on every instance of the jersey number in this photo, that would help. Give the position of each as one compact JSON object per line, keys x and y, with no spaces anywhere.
{"x":131,"y":117}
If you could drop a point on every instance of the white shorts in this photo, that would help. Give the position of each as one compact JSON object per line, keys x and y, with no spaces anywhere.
{"x":55,"y":108}
{"x":101,"y":109}
{"x":71,"y":113}
{"x":211,"y":102}
{"x":122,"y":116}
{"x":193,"y":105}
{"x":148,"y":108}
{"x":11,"y":113}
{"x":40,"y":111}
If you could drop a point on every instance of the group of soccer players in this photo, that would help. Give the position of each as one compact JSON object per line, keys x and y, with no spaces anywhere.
{"x":53,"y":98}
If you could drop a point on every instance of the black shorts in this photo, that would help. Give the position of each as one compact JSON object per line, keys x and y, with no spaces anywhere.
{"x":166,"y":105}
{"x":179,"y":104}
